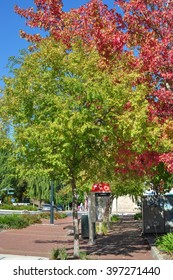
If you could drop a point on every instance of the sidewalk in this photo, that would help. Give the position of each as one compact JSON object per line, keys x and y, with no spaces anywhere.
{"x":124,"y":242}
{"x":18,"y":257}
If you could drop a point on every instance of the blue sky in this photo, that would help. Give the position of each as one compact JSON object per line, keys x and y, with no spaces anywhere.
{"x":11,"y":24}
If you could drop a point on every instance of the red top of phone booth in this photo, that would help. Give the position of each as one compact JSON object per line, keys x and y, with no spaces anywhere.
{"x":101,"y":187}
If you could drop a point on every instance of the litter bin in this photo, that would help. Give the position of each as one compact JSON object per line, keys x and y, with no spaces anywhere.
{"x":84,"y":226}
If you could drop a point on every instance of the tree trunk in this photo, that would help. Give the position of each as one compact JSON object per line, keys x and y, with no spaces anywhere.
{"x":75,"y":219}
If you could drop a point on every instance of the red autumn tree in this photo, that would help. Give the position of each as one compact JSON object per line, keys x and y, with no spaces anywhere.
{"x":149,"y":30}
{"x":94,"y":23}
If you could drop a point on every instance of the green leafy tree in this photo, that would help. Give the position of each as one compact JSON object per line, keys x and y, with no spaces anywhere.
{"x":64,"y":196}
{"x":9,"y":179}
{"x":69,"y":111}
{"x":38,"y":188}
{"x":162,"y":180}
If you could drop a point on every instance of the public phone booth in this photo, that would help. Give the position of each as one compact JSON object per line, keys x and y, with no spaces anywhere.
{"x":98,"y":206}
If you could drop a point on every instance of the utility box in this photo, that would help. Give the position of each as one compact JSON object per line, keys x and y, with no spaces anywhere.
{"x":157,"y":214}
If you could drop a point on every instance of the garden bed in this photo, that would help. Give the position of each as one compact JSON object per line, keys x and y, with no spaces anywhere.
{"x":17,"y":221}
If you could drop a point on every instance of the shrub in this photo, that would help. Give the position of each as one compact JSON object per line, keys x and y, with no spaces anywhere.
{"x":83,"y":256}
{"x":23,"y":220}
{"x":62,"y":215}
{"x":138,"y":216}
{"x":46,"y":215}
{"x":102,"y":228}
{"x":18,"y":207}
{"x":165,"y":243}
{"x":54,"y":254}
{"x":115,"y":218}
{"x":32,"y":218}
{"x":18,"y":220}
{"x":13,"y":221}
{"x":63,"y":254}
{"x":59,"y":254}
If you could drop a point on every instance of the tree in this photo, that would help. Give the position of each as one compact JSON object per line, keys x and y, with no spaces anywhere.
{"x":149,"y":29}
{"x":62,"y":104}
{"x":64,"y":197}
{"x":94,"y":23}
{"x":132,"y":120}
{"x":9,"y":179}
{"x":38,"y":188}
{"x":7,"y":174}
{"x":138,"y":32}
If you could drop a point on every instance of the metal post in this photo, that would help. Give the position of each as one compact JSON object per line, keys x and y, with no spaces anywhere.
{"x":91,"y":217}
{"x":52,"y":203}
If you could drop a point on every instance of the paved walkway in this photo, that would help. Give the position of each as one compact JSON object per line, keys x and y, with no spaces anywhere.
{"x":124,"y":241}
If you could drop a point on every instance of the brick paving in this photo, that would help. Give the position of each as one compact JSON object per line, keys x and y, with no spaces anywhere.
{"x":123,"y":242}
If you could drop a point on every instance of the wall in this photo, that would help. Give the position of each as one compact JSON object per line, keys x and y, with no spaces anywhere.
{"x":124,"y":205}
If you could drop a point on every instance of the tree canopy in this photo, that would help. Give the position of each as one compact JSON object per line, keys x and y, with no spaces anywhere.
{"x":142,"y":30}
{"x":67,"y":105}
